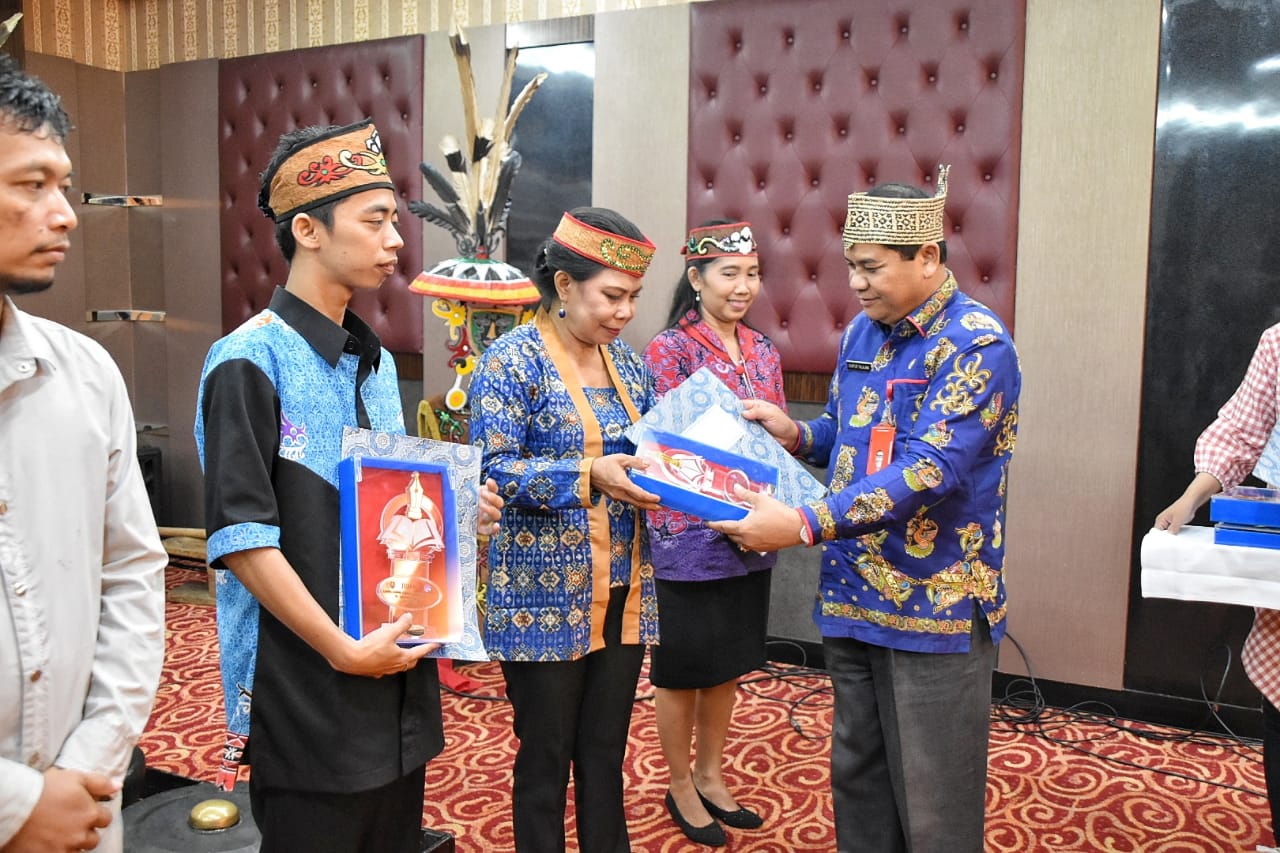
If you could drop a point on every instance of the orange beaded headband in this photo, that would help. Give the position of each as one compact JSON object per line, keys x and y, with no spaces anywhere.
{"x":622,"y":253}
{"x":342,"y":162}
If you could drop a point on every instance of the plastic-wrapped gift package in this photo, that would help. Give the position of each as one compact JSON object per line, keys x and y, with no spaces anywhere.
{"x":705,"y":410}
{"x":409,"y":509}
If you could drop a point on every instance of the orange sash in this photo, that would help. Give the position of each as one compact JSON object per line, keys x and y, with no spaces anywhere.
{"x":597,"y":513}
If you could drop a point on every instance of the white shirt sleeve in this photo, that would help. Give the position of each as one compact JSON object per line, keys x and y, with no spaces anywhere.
{"x":130,"y":642}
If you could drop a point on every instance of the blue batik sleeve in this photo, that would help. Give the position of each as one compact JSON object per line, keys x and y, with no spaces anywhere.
{"x":530,"y":432}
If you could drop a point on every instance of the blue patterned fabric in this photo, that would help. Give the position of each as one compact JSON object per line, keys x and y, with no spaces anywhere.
{"x":910,"y":550}
{"x":540,"y":591}
{"x":1268,"y":468}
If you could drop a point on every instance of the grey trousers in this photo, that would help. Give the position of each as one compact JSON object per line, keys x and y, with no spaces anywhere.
{"x":909,"y":745}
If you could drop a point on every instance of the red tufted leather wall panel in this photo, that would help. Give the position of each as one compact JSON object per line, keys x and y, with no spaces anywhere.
{"x":794,"y":105}
{"x":261,"y":97}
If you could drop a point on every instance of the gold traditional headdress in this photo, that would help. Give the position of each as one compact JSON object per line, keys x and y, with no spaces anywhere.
{"x":342,"y":162}
{"x":897,"y":221}
{"x":716,"y":241}
{"x":622,"y":253}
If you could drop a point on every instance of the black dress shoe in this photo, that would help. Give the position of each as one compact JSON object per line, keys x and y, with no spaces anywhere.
{"x":739,"y":819}
{"x":711,"y":835}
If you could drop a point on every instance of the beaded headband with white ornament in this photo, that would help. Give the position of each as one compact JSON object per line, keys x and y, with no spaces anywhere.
{"x":717,"y":241}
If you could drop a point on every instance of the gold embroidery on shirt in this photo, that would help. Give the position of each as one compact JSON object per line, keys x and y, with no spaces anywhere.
{"x":868,"y":401}
{"x":967,"y":576}
{"x":975,"y":320}
{"x":826,"y":520}
{"x":921,"y":532}
{"x":941,"y":351}
{"x":990,"y":414}
{"x":869,"y":507}
{"x":1008,"y":432}
{"x":842,"y":475}
{"x":883,"y":357}
{"x":806,"y":439}
{"x":966,"y":379}
{"x":918,"y":624}
{"x":892,"y":584}
{"x":924,"y":474}
{"x":938,"y":326}
{"x":938,"y":435}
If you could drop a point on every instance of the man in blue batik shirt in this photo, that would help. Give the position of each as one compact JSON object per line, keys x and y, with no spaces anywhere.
{"x":917,"y":436}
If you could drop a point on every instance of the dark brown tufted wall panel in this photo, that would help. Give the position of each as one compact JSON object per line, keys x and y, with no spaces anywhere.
{"x":261,"y":97}
{"x":793,"y":105}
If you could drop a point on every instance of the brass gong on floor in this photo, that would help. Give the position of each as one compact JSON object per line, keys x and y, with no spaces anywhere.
{"x":194,"y":819}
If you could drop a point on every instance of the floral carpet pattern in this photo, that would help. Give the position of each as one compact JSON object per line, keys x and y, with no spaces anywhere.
{"x":1064,"y":785}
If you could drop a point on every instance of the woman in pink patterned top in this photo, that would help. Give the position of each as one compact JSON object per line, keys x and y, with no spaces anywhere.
{"x":713,"y":599}
{"x":1245,"y":439}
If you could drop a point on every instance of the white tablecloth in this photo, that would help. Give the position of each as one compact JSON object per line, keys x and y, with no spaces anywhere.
{"x":1188,"y":566}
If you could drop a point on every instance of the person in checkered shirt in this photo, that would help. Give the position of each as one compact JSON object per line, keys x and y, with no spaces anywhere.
{"x":1245,"y":439}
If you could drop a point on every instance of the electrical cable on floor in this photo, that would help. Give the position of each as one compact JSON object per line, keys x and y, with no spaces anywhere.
{"x":480,"y":697}
{"x":1023,"y":710}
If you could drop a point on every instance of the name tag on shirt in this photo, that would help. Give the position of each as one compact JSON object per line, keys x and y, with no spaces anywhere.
{"x":880,"y":450}
{"x":852,"y":364}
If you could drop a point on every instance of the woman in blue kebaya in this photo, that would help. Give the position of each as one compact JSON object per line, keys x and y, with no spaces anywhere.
{"x":570,"y":602}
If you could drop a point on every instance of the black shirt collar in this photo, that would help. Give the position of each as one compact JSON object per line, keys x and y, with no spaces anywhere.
{"x":325,"y":337}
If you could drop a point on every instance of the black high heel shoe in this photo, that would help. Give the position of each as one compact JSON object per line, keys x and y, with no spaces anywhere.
{"x":711,"y":835}
{"x":739,"y":819}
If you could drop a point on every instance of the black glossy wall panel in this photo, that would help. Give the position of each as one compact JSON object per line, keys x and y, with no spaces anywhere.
{"x":1214,"y":285}
{"x":553,"y":137}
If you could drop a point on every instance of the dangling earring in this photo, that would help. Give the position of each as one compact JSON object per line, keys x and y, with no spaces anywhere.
{"x":697,"y":296}
{"x":561,"y":311}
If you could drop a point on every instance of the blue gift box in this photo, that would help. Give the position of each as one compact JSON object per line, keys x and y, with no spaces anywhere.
{"x":1250,"y":537}
{"x":698,"y":479}
{"x":1247,"y":506}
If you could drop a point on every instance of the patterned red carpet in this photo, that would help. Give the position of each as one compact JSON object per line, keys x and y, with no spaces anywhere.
{"x":1073,"y":786}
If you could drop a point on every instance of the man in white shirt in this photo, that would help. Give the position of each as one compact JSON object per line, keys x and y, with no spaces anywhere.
{"x":81,"y":566}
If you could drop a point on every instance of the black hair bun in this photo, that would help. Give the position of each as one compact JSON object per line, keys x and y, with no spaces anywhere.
{"x":540,"y":263}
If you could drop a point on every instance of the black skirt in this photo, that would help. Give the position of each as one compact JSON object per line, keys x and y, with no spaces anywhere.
{"x":710,"y":632}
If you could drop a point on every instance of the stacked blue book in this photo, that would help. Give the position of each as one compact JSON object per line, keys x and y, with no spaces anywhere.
{"x":1246,"y":515}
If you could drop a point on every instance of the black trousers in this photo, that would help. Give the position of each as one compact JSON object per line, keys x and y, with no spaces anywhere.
{"x":386,"y":819}
{"x":1271,"y":760}
{"x":574,"y":714}
{"x":909,"y":745}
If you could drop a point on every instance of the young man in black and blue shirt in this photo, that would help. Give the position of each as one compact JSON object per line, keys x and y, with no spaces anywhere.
{"x":341,"y":728}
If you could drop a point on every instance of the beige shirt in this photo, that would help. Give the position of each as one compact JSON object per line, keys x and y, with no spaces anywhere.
{"x":81,"y":566}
